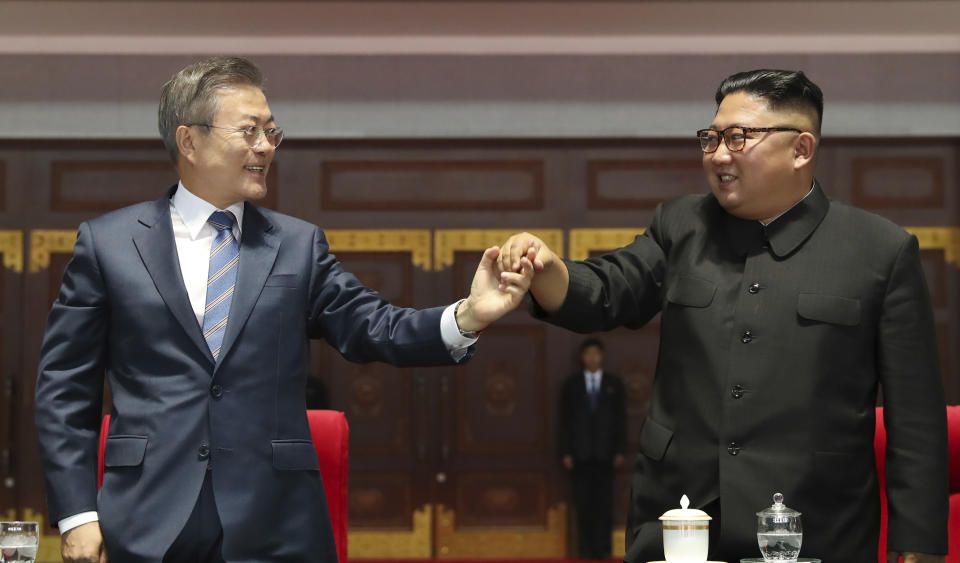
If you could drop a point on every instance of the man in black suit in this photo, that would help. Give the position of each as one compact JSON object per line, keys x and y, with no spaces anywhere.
{"x":783,"y":314}
{"x":592,"y":415}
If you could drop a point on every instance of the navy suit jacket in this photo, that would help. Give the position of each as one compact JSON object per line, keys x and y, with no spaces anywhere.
{"x":123,"y":313}
{"x":586,"y":434}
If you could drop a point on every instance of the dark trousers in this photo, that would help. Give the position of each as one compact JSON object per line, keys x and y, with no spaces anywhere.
{"x":593,"y":495}
{"x":201,"y":538}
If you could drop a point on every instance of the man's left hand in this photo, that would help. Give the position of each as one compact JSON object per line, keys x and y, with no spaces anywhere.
{"x":911,"y":557}
{"x":493,"y":294}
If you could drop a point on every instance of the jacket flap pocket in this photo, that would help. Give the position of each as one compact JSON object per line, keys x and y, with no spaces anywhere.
{"x":281,"y":280}
{"x":692,"y":292}
{"x":124,"y":451}
{"x":654,"y":439}
{"x":294,"y":455}
{"x":829,"y":309}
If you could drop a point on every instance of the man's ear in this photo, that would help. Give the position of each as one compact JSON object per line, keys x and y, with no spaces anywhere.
{"x":804,"y":150}
{"x":186,"y":143}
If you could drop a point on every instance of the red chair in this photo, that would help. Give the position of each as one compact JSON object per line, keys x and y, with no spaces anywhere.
{"x":330,"y":438}
{"x":953,"y":440}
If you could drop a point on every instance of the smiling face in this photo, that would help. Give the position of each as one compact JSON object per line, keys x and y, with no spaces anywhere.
{"x":773,"y":171}
{"x":219,"y":165}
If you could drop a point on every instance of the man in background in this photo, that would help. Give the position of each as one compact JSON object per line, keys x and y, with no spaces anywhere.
{"x":592,"y":439}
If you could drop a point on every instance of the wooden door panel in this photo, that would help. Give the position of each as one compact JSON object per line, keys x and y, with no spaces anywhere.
{"x":11,"y":379}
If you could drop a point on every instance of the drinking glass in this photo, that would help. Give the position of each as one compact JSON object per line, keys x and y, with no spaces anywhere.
{"x":19,"y":541}
{"x":779,"y":532}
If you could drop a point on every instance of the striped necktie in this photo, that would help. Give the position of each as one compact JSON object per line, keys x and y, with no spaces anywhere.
{"x":221,"y":279}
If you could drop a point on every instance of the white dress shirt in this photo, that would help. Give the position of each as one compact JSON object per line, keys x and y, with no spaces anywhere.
{"x":593,"y":380}
{"x":194,"y":236}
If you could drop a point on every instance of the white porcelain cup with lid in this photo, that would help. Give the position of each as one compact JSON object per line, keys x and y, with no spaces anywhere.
{"x":686,"y":534}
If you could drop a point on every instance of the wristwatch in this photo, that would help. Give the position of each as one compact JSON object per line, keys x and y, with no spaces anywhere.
{"x":464,"y":333}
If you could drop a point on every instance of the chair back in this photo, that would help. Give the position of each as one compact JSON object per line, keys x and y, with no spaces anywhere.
{"x":953,"y":441}
{"x":331,"y":437}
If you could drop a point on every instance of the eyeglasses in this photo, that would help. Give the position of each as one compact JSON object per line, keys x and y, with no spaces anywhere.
{"x":251,"y":134}
{"x":734,"y":137}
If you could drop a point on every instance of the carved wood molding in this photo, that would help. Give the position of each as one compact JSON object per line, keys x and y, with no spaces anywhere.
{"x":597,"y":168}
{"x":945,"y":238}
{"x":618,"y":543}
{"x":44,"y":242}
{"x":448,"y":241}
{"x":394,"y":199}
{"x":506,"y":542}
{"x":414,"y":241}
{"x":585,"y":241}
{"x":933,"y":167}
{"x":388,"y":544}
{"x":11,"y":246}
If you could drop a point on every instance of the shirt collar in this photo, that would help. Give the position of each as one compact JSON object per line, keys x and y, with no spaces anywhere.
{"x":195,"y":211}
{"x":791,"y":207}
{"x":787,"y":232}
{"x":598,"y":373}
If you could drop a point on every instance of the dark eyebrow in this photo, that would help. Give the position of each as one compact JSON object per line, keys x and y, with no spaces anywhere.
{"x":256,"y":118}
{"x":714,"y":126}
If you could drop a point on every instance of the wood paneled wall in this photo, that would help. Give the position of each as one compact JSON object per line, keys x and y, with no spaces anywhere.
{"x":444,"y":461}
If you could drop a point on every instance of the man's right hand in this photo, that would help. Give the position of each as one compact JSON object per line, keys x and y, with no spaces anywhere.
{"x":83,"y":544}
{"x":568,"y":461}
{"x":551,"y":279}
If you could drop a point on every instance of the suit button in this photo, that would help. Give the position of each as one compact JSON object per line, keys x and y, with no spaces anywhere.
{"x":216,"y":391}
{"x":737,"y":392}
{"x":203,"y":452}
{"x":747,"y":337}
{"x":733,"y":448}
{"x":754,"y":288}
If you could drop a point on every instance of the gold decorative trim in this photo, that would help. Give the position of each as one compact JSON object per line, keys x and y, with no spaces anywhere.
{"x":584,"y":241}
{"x":414,"y":241}
{"x":946,"y":238}
{"x":44,"y":242}
{"x":415,"y":544}
{"x":49,"y":549}
{"x":11,"y":246}
{"x":448,"y":241}
{"x":501,"y":543}
{"x":618,"y":543}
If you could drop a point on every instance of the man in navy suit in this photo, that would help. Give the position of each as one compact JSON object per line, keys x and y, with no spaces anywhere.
{"x":592,"y":438}
{"x":199,"y":308}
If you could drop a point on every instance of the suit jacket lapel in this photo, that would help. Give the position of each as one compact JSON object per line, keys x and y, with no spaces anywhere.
{"x":258,"y":251}
{"x":158,"y":250}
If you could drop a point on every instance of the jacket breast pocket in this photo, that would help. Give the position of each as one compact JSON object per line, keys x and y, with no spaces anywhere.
{"x":691,"y":292}
{"x":294,"y":455}
{"x":124,"y":451}
{"x":654,"y":439}
{"x":282,"y":280}
{"x":829,"y":309}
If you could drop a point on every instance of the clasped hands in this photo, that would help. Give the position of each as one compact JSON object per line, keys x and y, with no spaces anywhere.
{"x":504,"y":276}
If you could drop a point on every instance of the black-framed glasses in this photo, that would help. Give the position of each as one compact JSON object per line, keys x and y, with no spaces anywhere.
{"x":251,"y":133}
{"x":734,"y":137}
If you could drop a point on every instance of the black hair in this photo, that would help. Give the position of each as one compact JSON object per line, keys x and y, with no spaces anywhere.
{"x":590,"y":343}
{"x":780,"y":88}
